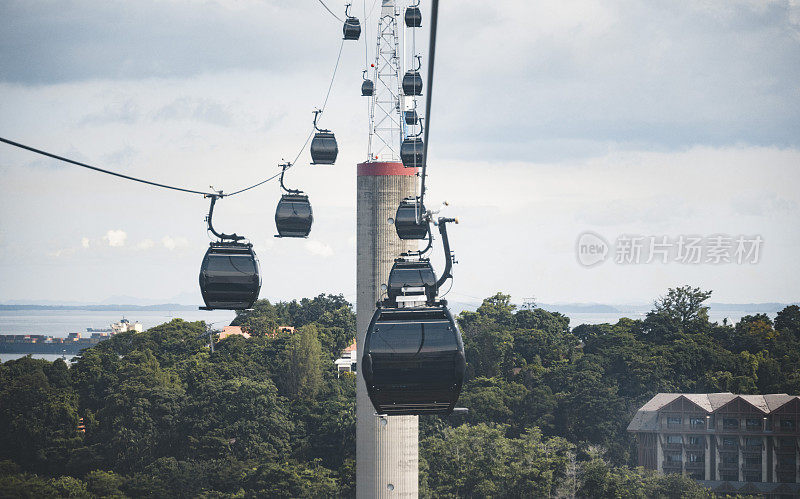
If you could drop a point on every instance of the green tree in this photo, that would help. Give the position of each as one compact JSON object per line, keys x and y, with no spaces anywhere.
{"x":302,"y":365}
{"x":39,"y":419}
{"x":681,"y":310}
{"x":104,"y":483}
{"x":788,"y":321}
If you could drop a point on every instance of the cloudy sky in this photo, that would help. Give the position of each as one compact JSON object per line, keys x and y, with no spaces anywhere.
{"x":551,"y":118}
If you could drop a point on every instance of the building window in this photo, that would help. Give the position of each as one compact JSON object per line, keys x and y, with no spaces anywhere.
{"x":673,"y":457}
{"x":730,"y":459}
{"x":787,"y":424}
{"x":753,"y":460}
{"x":754,"y":441}
{"x":697,"y":422}
{"x":729,"y":477}
{"x":752,"y":477}
{"x":697,"y":475}
{"x":730,"y":442}
{"x":753,"y":424}
{"x":730,"y":423}
{"x":787,"y":460}
{"x":696,"y":440}
{"x":674,"y":420}
{"x":674,"y":439}
{"x":694,"y":457}
{"x":786,"y":477}
{"x":786,"y":443}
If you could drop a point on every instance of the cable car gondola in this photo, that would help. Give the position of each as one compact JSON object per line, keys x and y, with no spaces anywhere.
{"x":410,"y":220}
{"x":411,"y":117}
{"x":413,"y":16}
{"x":409,"y":275}
{"x":230,"y":276}
{"x":293,"y":216}
{"x":412,"y":83}
{"x":324,"y":148}
{"x":411,"y":151}
{"x":367,"y":87}
{"x":413,"y":361}
{"x":352,"y":27}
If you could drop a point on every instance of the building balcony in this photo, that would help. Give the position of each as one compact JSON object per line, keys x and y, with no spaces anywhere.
{"x":790,"y":468}
{"x":728,"y":448}
{"x":728,"y":466}
{"x":695,"y":446}
{"x":669,"y":446}
{"x":695,"y":465}
{"x":751,"y":467}
{"x":753,"y":448}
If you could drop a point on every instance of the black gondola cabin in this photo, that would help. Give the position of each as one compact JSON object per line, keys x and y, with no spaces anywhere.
{"x":351,"y":28}
{"x":230,"y":276}
{"x":367,"y":88}
{"x":293,"y":216}
{"x":413,"y":361}
{"x":411,"y":151}
{"x":408,"y":220}
{"x":324,"y":148}
{"x":413,"y":17}
{"x":412,"y":83}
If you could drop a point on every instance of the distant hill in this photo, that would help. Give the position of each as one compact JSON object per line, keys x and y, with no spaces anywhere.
{"x":579,"y":308}
{"x":102,"y":308}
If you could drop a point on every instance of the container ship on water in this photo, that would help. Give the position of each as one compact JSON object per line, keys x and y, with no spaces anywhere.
{"x":71,"y":345}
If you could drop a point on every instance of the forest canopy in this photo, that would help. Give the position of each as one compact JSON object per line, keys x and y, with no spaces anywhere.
{"x":268,"y":416}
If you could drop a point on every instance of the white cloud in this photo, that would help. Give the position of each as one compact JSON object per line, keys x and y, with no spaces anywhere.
{"x":85,"y":242}
{"x":63,"y":252}
{"x":145,"y":244}
{"x":319,"y":249}
{"x":116,"y":238}
{"x":172,"y":243}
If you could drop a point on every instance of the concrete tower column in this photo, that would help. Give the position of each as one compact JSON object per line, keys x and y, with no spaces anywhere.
{"x":387,"y":463}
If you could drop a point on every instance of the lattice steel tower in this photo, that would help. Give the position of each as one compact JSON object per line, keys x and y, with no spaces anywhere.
{"x":385,"y":124}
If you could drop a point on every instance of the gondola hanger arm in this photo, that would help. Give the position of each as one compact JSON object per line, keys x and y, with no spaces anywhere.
{"x":230,"y":237}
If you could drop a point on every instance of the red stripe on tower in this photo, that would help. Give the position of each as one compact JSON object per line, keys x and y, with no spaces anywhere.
{"x":384,"y":168}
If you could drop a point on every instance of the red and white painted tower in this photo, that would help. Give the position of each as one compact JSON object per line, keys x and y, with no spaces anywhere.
{"x":387,"y":462}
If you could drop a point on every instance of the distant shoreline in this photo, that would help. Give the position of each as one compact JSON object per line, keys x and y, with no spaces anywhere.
{"x":102,"y":308}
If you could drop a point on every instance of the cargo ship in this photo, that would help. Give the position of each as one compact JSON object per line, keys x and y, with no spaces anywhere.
{"x":71,"y":345}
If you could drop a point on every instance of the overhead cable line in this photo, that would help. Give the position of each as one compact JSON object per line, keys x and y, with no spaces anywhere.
{"x":431,"y":58}
{"x":101,"y":170}
{"x":311,"y":134}
{"x":182,"y":189}
{"x":329,"y":10}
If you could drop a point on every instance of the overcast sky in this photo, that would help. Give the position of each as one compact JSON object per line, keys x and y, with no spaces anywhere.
{"x":550,"y":119}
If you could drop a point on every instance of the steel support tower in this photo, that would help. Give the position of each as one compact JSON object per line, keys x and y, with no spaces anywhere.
{"x":387,"y":462}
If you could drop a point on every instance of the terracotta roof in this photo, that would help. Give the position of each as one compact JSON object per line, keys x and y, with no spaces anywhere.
{"x":232,"y":331}
{"x":351,"y":348}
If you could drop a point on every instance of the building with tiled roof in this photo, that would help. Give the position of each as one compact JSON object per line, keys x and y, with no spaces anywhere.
{"x":347,"y":362}
{"x":735,"y":444}
{"x":232,"y":331}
